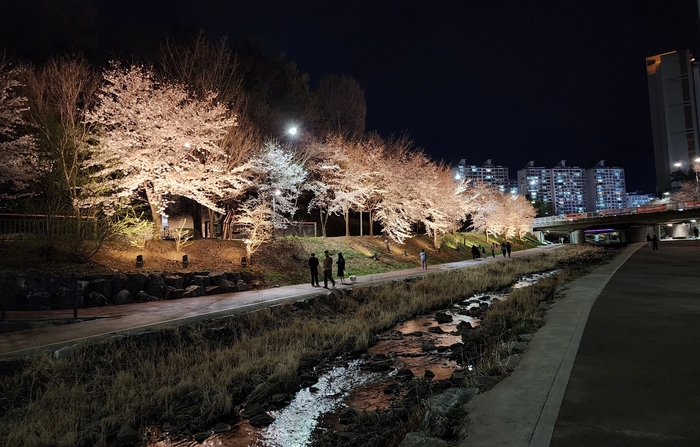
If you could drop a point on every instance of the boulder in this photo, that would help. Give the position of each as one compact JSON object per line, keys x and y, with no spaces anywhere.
{"x":122,"y":297}
{"x":428,"y":374}
{"x":221,"y":427}
{"x":427,"y":345}
{"x":442,"y":317}
{"x":404,"y":374}
{"x":252,"y":410}
{"x":511,"y":361}
{"x":193,"y":291}
{"x":119,"y":281}
{"x":450,"y":399}
{"x":143,"y":297}
{"x":174,"y":281}
{"x":136,"y":283}
{"x":64,"y":299}
{"x":261,"y":420}
{"x":435,"y":330}
{"x":228,"y":286}
{"x":156,"y":286}
{"x":38,"y":299}
{"x":201,"y":436}
{"x":201,"y":280}
{"x":64,"y":352}
{"x":216,"y":277}
{"x":347,"y":416}
{"x":96,"y":299}
{"x":241,"y":285}
{"x":101,"y":286}
{"x":172,"y":293}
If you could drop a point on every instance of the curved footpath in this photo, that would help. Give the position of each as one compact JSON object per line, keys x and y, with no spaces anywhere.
{"x":138,"y":317}
{"x":616,"y":363}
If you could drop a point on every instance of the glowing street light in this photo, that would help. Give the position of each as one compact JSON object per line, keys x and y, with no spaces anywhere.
{"x":678,"y":164}
{"x":293,"y":130}
{"x":187,"y":145}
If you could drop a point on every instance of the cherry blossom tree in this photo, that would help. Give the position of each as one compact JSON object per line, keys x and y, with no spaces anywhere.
{"x":20,"y":164}
{"x":255,"y":218}
{"x":157,"y":138}
{"x":325,"y":161}
{"x":481,"y":202}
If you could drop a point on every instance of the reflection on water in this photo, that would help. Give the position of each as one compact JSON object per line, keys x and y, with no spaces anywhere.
{"x":420,"y":344}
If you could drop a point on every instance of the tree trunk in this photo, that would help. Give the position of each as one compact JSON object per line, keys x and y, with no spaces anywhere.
{"x":323,"y":222}
{"x":371,"y":222}
{"x":435,"y":239}
{"x":487,"y":236}
{"x":346,"y":214}
{"x":197,"y":218}
{"x":155,"y":214}
{"x":212,"y":216}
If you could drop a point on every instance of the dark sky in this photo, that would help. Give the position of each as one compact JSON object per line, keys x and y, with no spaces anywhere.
{"x":508,"y":80}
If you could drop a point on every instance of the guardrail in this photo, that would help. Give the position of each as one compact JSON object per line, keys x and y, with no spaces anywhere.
{"x":678,"y":206}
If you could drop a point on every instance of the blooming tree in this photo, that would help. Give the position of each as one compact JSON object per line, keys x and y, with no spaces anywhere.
{"x":20,"y":159}
{"x":325,"y":162}
{"x":158,"y":139}
{"x":254,"y":216}
{"x":482,"y":203}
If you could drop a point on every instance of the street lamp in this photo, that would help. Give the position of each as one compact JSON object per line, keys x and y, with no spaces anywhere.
{"x":293,"y":130}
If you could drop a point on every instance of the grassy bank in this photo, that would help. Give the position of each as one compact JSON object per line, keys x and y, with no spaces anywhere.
{"x":193,"y":374}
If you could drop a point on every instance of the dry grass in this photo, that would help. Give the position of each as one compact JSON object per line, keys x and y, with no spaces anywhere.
{"x":186,"y":376}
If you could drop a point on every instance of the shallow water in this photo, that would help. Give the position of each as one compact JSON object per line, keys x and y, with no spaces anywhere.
{"x":408,"y":344}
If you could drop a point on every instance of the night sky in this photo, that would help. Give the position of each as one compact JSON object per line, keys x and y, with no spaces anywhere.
{"x":511,"y":81}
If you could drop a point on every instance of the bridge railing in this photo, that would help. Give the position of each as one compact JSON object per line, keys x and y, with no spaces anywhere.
{"x":678,"y":206}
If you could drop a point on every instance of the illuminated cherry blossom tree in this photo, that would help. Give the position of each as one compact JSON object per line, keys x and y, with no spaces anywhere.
{"x":159,"y":139}
{"x":20,"y":164}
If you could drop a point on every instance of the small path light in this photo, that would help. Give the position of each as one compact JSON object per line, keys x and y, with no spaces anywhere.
{"x":139,"y":261}
{"x":244,"y":261}
{"x":185,"y":261}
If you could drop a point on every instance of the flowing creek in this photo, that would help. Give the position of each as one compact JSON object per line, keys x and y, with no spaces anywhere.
{"x":420,"y":345}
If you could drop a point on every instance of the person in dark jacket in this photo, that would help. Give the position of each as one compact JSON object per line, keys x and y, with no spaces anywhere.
{"x":327,"y":270}
{"x":504,"y":250}
{"x":341,"y":268}
{"x":508,"y":248}
{"x":313,"y":268}
{"x":475,"y":252}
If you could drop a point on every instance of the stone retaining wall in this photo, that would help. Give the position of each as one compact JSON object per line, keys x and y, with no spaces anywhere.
{"x":40,"y":291}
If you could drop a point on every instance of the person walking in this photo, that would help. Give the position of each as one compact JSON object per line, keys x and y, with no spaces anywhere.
{"x":341,"y":268}
{"x":493,"y":249}
{"x":327,"y":270}
{"x":655,"y":243}
{"x":423,"y":260}
{"x":313,"y":268}
{"x":503,"y":249}
{"x":696,"y":232}
{"x":475,"y":252}
{"x":483,"y":250}
{"x":648,"y":240}
{"x":508,"y":248}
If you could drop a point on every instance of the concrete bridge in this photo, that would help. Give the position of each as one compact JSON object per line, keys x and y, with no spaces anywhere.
{"x":669,"y":220}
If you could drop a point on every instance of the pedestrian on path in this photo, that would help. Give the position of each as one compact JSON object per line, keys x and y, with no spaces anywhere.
{"x":313,"y":269}
{"x":341,"y":268}
{"x":327,"y":270}
{"x":423,"y":260}
{"x":696,"y":232}
{"x":493,"y":249}
{"x":508,"y":248}
{"x":504,"y":250}
{"x":655,"y":243}
{"x":475,"y":252}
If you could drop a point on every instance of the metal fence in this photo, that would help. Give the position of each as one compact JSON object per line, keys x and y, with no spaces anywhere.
{"x":679,"y":206}
{"x":42,"y":224}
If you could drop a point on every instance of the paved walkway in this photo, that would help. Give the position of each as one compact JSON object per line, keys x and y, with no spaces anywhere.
{"x":615,"y":365}
{"x":138,"y":317}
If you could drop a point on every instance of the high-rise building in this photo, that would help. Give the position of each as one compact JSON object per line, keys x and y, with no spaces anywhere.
{"x":638,"y":198}
{"x":673,"y":80}
{"x":492,"y":175}
{"x":535,"y":183}
{"x":605,"y":187}
{"x":568,"y":188}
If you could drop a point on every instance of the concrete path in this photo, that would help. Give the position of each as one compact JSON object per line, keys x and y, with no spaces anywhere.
{"x":615,"y":364}
{"x":142,"y":316}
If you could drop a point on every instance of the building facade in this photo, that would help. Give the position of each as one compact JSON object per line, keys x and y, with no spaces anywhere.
{"x":535,"y":183}
{"x":490,"y":174}
{"x":673,"y":79}
{"x":568,"y":188}
{"x":605,"y":187}
{"x":638,"y":198}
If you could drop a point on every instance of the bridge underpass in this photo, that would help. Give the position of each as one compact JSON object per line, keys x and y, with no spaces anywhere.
{"x":633,"y":227}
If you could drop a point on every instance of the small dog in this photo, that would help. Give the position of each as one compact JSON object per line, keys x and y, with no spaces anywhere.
{"x":353,"y":278}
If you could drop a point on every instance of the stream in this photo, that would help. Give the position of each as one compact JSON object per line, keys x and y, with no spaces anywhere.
{"x":419,"y":345}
